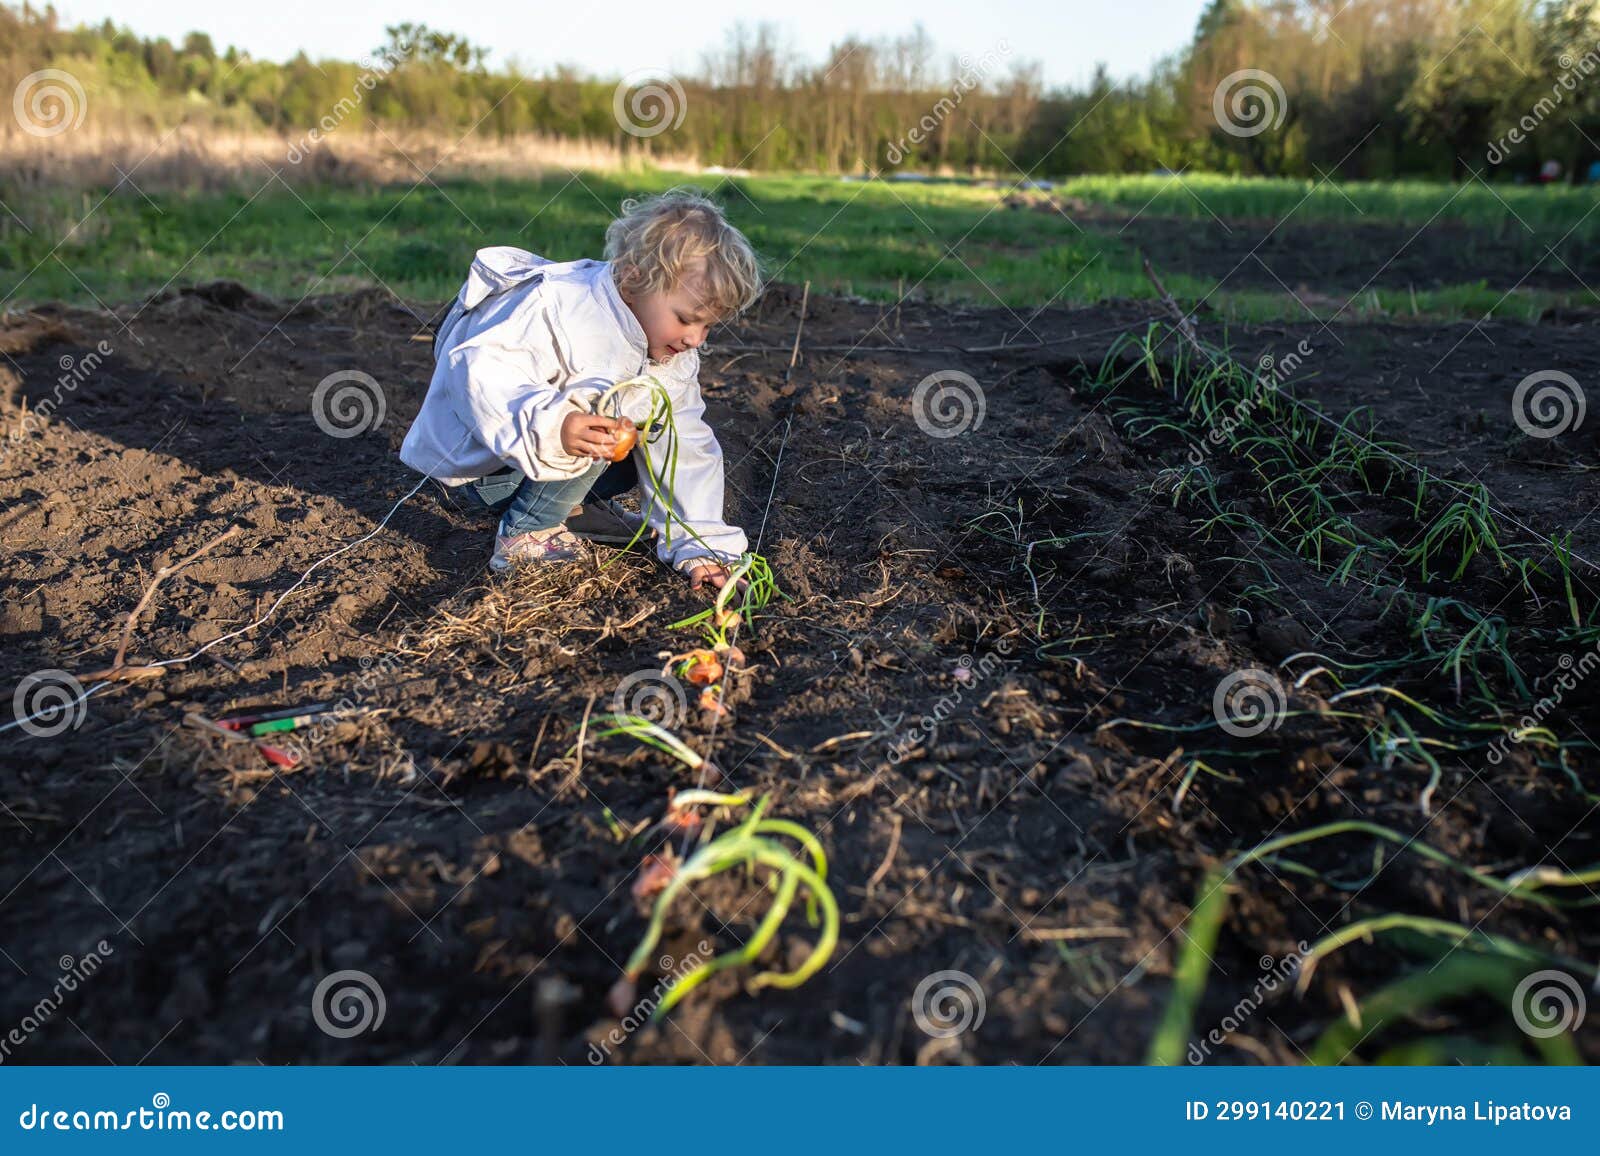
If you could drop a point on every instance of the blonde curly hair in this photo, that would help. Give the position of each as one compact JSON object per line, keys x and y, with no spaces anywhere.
{"x":681,"y":235}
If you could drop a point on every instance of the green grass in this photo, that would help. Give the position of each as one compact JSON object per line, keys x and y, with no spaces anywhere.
{"x":945,"y":242}
{"x":1501,"y":209}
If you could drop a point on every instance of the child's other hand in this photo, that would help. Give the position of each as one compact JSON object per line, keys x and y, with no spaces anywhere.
{"x":588,"y":435}
{"x":707,"y":571}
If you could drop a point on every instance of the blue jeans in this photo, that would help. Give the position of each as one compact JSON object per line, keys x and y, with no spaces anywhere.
{"x":525,"y":505}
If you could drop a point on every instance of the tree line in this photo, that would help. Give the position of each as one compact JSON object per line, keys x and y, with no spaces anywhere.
{"x":1356,"y":88}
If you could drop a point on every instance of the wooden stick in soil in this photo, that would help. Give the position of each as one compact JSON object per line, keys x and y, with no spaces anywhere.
{"x":201,"y":722}
{"x":1185,"y":323}
{"x":583,"y":731}
{"x":119,"y":669}
{"x":888,"y":857}
{"x":794,"y":354}
{"x":722,"y":686}
{"x":788,"y":421}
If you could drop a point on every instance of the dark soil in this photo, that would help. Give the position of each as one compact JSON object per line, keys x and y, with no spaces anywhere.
{"x":443,"y":843}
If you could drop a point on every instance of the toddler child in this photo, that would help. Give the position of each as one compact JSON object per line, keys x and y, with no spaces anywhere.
{"x":528,"y":347}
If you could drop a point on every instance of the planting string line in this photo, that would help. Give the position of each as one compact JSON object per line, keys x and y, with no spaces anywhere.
{"x":85,"y":696}
{"x":302,"y":579}
{"x":776,"y":467}
{"x":95,"y":689}
{"x":945,"y":350}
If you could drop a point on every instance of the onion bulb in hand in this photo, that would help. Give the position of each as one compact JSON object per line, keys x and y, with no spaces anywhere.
{"x":627,"y":436}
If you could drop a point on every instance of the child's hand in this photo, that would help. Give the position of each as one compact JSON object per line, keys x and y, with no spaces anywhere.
{"x":707,"y":570}
{"x":588,"y":435}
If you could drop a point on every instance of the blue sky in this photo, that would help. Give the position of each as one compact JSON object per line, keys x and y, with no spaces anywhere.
{"x":1066,"y":38}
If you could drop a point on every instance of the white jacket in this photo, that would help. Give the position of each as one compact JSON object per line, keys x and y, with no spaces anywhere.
{"x":529,"y":341}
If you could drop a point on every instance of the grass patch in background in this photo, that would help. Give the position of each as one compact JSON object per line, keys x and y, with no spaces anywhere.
{"x":945,"y":242}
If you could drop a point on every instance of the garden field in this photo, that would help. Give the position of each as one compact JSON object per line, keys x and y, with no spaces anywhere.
{"x":1204,"y":680}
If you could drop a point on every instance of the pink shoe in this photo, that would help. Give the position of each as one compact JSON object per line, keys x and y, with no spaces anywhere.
{"x":557,"y":544}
